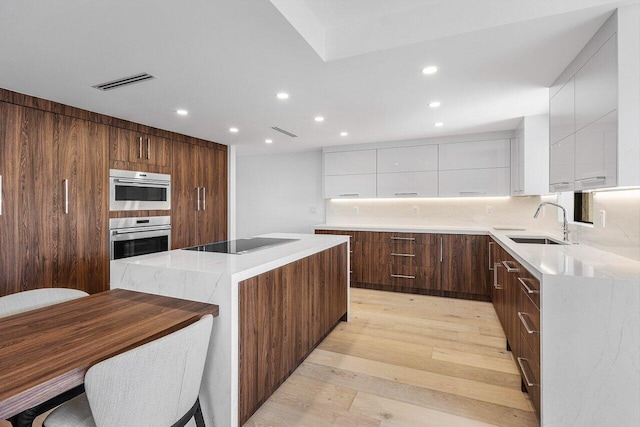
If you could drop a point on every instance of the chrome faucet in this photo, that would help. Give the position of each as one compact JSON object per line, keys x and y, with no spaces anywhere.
{"x":565,"y":224}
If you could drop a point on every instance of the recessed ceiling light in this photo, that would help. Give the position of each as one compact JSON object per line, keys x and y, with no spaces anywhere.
{"x":182,"y":112}
{"x":319,"y":119}
{"x":282,"y":95}
{"x":434,"y":104}
{"x":431,"y":69}
{"x":438,"y":124}
{"x":268,"y":141}
{"x":233,"y":130}
{"x":343,"y":134}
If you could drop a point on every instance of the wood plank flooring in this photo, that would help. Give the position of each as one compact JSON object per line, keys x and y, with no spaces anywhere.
{"x":405,"y":360}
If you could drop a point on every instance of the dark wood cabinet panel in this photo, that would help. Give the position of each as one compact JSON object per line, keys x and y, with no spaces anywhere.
{"x":83,"y":180}
{"x":464,"y":264}
{"x":283,"y":315}
{"x":199,"y":194}
{"x":135,"y":147}
{"x":30,"y":199}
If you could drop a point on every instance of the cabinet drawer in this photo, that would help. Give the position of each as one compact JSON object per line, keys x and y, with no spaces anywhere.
{"x":528,"y":318}
{"x":530,"y":286}
{"x":529,"y":367}
{"x":386,"y":237}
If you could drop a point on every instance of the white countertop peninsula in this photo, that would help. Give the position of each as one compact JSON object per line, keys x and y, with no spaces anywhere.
{"x":214,"y":277}
{"x":590,"y":324}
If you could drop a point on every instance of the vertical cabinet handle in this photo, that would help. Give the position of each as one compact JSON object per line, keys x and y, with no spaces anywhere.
{"x":148,"y":148}
{"x":66,"y":196}
{"x":490,"y":263}
{"x":204,"y":198}
{"x":140,"y":147}
{"x":0,"y":194}
{"x":198,"y":190}
{"x":495,"y":275}
{"x":441,"y":250}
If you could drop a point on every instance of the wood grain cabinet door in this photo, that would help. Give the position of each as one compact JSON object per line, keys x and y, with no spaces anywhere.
{"x":184,"y":203}
{"x":30,"y":199}
{"x":464,"y":260}
{"x":156,"y":150}
{"x":207,"y":182}
{"x":83,"y":211}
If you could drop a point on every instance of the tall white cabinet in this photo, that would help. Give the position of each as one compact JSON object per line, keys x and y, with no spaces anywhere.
{"x":530,"y":157}
{"x":595,"y":110}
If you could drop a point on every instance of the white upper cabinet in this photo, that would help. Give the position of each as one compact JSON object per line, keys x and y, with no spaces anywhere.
{"x":408,"y":159}
{"x":350,"y":186}
{"x":562,"y":112}
{"x":596,"y":85}
{"x":350,"y":162}
{"x":562,"y":164}
{"x":475,"y":155}
{"x":408,"y":184}
{"x":474,"y":182}
{"x":530,"y":157}
{"x":595,"y":160}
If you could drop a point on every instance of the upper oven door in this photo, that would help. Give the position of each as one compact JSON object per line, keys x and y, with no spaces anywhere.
{"x":142,"y":192}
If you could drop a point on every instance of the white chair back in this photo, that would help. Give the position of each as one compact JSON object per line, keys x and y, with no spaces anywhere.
{"x":36,"y":298}
{"x":152,"y":385}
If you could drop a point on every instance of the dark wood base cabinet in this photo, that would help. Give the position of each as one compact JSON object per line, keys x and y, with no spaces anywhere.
{"x":284,"y":314}
{"x":449,"y":265}
{"x":516,"y":299}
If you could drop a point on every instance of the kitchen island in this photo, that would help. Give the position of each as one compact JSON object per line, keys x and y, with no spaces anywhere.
{"x":276,"y":304}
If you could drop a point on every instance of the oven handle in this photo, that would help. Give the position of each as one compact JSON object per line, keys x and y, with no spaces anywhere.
{"x":143,"y":182}
{"x":140,"y":230}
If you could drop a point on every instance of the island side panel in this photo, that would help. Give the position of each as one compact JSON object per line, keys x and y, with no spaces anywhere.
{"x":283,"y":315}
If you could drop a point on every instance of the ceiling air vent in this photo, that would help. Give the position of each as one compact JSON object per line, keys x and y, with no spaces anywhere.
{"x":124,"y":82}
{"x":285,"y":132}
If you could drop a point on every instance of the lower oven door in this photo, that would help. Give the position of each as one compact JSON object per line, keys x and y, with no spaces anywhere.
{"x":133,"y":242}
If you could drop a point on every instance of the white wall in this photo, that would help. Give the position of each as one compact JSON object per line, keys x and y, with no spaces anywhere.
{"x":277,"y":192}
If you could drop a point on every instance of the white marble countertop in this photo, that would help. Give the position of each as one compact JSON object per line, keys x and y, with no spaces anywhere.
{"x":559,"y":260}
{"x":242,"y":266}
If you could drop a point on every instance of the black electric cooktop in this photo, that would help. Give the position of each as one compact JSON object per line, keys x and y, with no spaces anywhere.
{"x":241,"y":246}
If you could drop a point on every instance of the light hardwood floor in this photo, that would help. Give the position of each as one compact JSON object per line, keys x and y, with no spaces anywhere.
{"x":405,"y":360}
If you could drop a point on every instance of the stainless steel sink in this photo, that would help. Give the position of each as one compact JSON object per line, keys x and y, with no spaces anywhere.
{"x":535,"y":240}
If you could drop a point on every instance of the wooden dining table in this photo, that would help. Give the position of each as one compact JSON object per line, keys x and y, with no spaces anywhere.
{"x":47,"y":351}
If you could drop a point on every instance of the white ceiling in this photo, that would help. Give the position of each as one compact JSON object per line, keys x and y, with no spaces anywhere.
{"x":224,"y":61}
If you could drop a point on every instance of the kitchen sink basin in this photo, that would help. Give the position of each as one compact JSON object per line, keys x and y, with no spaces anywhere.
{"x":536,"y":240}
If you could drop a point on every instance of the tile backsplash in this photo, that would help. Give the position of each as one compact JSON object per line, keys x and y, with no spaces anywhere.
{"x":620,"y":234}
{"x":621,"y":231}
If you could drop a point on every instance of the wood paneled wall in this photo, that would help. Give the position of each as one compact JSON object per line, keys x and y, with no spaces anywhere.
{"x":44,"y":143}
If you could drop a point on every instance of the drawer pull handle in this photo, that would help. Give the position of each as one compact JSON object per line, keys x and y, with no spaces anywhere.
{"x":490,"y":263}
{"x":526,"y":287}
{"x":402,"y":276}
{"x":524,"y":373}
{"x":529,"y":329}
{"x":592,"y":179}
{"x":408,"y":255}
{"x":411,"y":239}
{"x":406,"y":194}
{"x":473,"y":193}
{"x":509,"y":269}
{"x":495,"y":275}
{"x":349,"y":195}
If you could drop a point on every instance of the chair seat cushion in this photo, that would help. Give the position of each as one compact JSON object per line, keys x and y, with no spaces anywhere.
{"x":74,"y":413}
